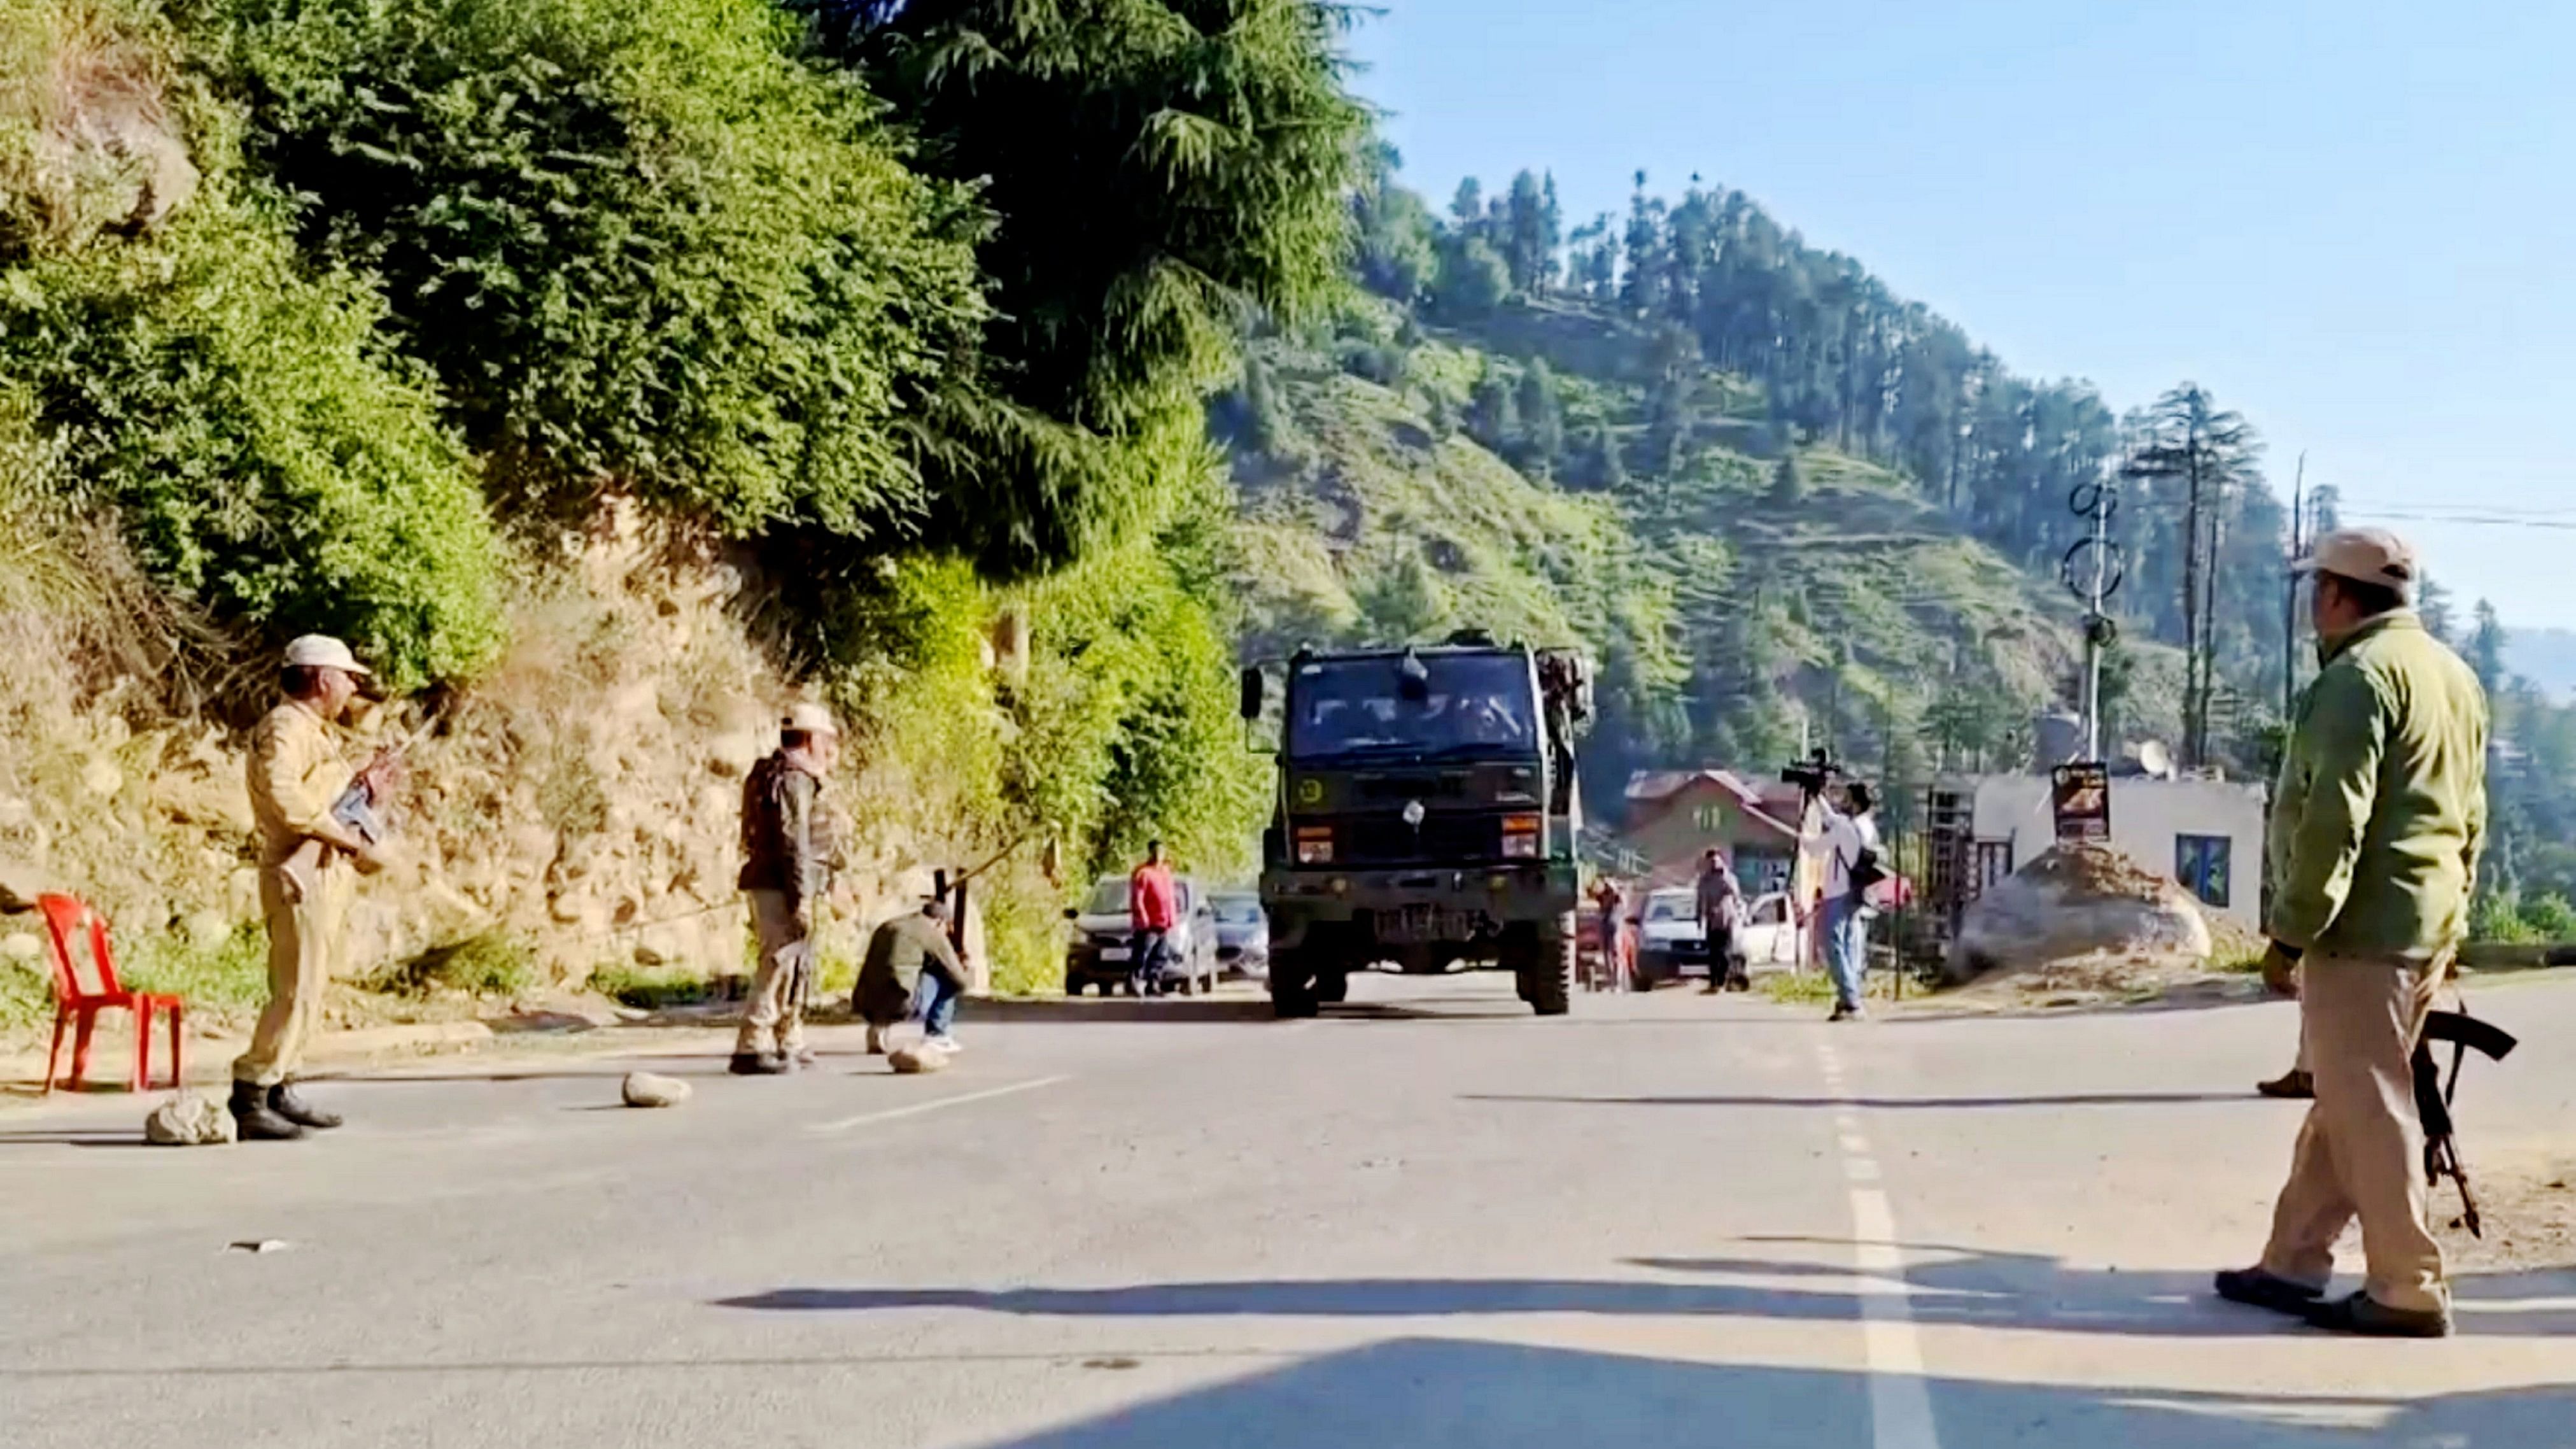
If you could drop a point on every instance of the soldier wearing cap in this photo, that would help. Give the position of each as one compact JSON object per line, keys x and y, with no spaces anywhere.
{"x":789,"y":842}
{"x":2378,"y":819}
{"x":308,"y":857}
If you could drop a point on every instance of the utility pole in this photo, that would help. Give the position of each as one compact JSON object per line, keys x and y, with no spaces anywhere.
{"x":2091,"y":571}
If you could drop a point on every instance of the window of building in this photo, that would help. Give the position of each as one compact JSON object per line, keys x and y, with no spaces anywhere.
{"x":2201,"y":863}
{"x":1710,"y":818}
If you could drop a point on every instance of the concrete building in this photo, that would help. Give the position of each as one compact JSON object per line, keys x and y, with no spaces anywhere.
{"x":2206,"y":834}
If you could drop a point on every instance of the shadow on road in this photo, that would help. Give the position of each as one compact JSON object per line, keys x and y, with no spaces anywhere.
{"x":1962,"y":1287}
{"x":1877,"y":1104}
{"x":1443,"y":1392}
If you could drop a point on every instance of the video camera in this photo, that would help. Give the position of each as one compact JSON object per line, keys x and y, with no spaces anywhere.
{"x":1813,"y":774}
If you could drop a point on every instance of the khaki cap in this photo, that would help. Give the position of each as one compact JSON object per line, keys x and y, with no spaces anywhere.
{"x":321,"y":651}
{"x":809,"y":719}
{"x":2364,"y":555}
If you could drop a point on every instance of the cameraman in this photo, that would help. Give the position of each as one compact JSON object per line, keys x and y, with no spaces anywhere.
{"x":1849,"y":837}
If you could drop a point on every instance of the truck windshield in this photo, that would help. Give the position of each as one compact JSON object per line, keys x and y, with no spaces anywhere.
{"x":1467,"y":702}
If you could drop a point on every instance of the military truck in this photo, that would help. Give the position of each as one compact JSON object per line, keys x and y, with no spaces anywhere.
{"x":1426,"y":819}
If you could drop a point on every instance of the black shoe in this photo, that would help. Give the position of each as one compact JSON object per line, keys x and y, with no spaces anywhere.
{"x":2258,"y":1289}
{"x":759,"y":1064}
{"x":255,"y":1121}
{"x":1846,"y":1011}
{"x":283,"y":1100}
{"x":2365,"y":1315}
{"x":2293,"y":1084}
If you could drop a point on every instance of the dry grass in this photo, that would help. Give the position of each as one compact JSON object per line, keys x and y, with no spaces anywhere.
{"x":71,"y":73}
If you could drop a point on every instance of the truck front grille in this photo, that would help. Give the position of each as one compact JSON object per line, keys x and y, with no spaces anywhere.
{"x":1441,"y":839}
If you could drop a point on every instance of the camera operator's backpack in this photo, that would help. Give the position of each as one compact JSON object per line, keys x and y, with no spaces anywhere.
{"x":1866,"y":871}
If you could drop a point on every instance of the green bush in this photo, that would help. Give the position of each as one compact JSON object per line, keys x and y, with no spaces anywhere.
{"x":2496,"y":916}
{"x":494,"y":963}
{"x":235,"y":412}
{"x":2550,"y":918}
{"x":638,"y":243}
{"x":227,"y":975}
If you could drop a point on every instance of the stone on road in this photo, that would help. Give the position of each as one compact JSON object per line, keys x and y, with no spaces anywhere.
{"x":1427,"y":1219}
{"x":652,"y":1089}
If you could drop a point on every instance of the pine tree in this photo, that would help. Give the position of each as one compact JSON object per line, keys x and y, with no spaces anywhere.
{"x":1542,"y":421}
{"x":2190,"y":446}
{"x":2486,"y":648}
{"x":1266,"y":421}
{"x":2433,"y":605}
{"x":1493,"y":415}
{"x":1788,"y":483}
{"x":1601,"y":466}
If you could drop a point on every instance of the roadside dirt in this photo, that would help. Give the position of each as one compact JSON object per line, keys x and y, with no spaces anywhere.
{"x":2527,"y":1197}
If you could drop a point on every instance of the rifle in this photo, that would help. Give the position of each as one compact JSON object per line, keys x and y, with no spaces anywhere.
{"x":362,"y":808}
{"x":2433,"y":1098}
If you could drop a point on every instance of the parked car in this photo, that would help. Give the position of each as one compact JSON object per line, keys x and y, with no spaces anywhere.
{"x":1101,"y":953}
{"x":1674,"y":945}
{"x":1670,"y":940}
{"x":1242,"y":934}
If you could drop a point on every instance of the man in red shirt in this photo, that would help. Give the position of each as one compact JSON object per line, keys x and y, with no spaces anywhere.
{"x":1153,"y":910}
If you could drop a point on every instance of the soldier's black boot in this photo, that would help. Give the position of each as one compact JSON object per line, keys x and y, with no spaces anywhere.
{"x":255,"y":1121}
{"x":283,"y":1100}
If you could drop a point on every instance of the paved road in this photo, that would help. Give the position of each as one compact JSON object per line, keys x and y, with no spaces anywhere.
{"x":1428,"y":1221}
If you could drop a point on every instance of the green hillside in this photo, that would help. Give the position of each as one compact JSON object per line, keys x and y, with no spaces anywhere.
{"x":1734,"y":615}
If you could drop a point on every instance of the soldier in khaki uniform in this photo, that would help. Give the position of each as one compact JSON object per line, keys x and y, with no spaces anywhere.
{"x":2382,"y":810}
{"x":790,"y":842}
{"x":308,"y":858}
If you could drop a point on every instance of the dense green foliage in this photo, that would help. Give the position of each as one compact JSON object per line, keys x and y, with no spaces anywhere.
{"x":231,"y":406}
{"x":641,"y":246}
{"x":1157,"y":169}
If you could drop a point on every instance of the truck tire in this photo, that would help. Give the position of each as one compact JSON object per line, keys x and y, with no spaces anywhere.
{"x":1333,"y":990}
{"x":1292,"y":987}
{"x":1547,"y":983}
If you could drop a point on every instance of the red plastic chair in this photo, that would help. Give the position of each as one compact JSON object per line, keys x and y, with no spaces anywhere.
{"x":68,"y":921}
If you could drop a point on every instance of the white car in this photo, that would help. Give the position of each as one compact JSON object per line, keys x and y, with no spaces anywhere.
{"x":1671,"y":943}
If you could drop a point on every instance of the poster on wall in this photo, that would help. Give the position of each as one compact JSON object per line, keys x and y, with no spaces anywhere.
{"x":2082,"y":800}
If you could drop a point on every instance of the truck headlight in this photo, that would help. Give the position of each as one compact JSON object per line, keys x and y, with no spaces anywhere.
{"x":1521,"y":835}
{"x":1314,"y":845}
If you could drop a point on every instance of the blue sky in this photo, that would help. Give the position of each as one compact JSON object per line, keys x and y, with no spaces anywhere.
{"x":2354,"y":222}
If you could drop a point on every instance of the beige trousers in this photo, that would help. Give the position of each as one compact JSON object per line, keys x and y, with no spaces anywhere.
{"x":2361,"y":1151}
{"x":774,"y":1019}
{"x":304,"y":943}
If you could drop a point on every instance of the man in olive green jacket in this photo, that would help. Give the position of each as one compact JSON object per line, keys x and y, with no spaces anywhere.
{"x":2378,"y":822}
{"x":911,"y":969}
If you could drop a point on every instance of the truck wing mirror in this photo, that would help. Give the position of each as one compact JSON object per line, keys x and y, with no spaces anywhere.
{"x":1252,"y":691}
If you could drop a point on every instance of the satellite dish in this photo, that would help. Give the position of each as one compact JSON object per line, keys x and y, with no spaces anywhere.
{"x":2156,"y":760}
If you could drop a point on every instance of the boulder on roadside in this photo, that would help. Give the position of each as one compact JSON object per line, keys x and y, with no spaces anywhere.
{"x":910,"y":1060}
{"x":189,"y":1119}
{"x":2076,"y":900}
{"x":651,"y":1089}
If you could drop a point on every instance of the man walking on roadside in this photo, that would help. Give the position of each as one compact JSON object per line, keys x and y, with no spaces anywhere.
{"x":308,"y":858}
{"x":912,"y":970}
{"x":1850,"y":841}
{"x":2383,"y":807}
{"x":1153,"y":913}
{"x":788,"y":846}
{"x":1721,"y":914}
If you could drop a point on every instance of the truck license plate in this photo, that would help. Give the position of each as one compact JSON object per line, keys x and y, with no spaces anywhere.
{"x":1420,"y":923}
{"x":1113,"y":953}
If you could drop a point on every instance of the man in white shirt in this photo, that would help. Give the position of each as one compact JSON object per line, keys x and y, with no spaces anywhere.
{"x":1845,"y":838}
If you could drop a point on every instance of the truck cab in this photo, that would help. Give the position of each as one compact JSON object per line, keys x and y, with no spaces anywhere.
{"x":1426,"y":817}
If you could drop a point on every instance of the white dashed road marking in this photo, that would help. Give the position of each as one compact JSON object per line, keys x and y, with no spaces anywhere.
{"x":1900,"y":1401}
{"x":915,"y":1109}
